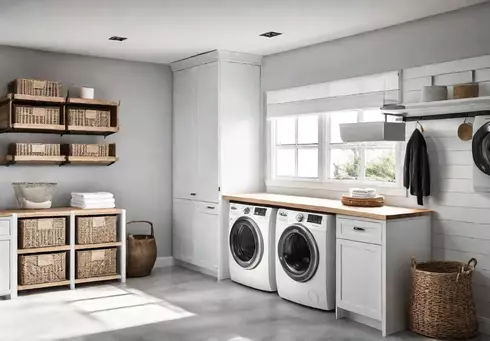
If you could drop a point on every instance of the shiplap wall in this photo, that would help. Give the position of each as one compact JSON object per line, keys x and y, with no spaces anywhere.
{"x":461,"y":223}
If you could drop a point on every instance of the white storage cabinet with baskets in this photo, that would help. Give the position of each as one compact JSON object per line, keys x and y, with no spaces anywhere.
{"x":64,"y":247}
{"x":8,"y":256}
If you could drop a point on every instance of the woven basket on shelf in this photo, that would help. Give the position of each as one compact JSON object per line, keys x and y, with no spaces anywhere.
{"x":43,"y":268}
{"x":96,"y":263}
{"x":43,"y":232}
{"x":89,"y":118}
{"x":35,"y":87}
{"x":96,"y":230}
{"x":363,"y":202}
{"x":97,"y":150}
{"x":441,"y":300}
{"x":35,"y":149}
{"x":36,"y":115}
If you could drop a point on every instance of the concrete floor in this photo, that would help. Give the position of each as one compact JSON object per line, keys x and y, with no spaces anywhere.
{"x":173,"y":304}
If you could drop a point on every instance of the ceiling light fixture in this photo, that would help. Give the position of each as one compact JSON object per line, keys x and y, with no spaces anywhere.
{"x":270,"y":34}
{"x":117,"y":38}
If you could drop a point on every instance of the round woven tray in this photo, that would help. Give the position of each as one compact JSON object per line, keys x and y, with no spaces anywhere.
{"x":363,"y":202}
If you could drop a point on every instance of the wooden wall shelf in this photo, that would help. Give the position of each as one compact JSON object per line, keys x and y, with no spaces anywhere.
{"x":90,"y":160}
{"x":9,"y":160}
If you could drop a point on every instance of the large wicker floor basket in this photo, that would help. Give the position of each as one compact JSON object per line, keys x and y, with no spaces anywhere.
{"x":441,"y":300}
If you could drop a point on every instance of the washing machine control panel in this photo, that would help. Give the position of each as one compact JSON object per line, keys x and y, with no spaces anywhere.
{"x":315,"y":219}
{"x":300,"y":217}
{"x":246,"y":210}
{"x":260,"y":211}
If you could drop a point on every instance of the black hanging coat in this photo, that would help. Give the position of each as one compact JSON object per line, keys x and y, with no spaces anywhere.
{"x":416,"y":172}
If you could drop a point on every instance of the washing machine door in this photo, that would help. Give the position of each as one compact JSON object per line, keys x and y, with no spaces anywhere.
{"x":481,"y":148}
{"x":246,"y":243}
{"x":298,"y":253}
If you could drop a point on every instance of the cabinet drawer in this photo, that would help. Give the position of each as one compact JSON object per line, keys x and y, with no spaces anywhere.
{"x":207,"y":208}
{"x":4,"y":228}
{"x":360,"y":230}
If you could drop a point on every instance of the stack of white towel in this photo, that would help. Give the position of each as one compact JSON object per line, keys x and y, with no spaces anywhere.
{"x":93,"y":200}
{"x":363,"y":193}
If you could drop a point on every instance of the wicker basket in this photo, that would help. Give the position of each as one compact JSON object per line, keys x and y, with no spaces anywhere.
{"x":36,"y":115}
{"x":465,"y":90}
{"x":35,"y":87}
{"x":363,"y":202}
{"x":89,"y":118}
{"x":43,"y":232}
{"x":96,"y":263}
{"x":42,"y":268}
{"x":98,"y":150}
{"x":35,"y":149}
{"x":441,"y":300}
{"x":96,"y":230}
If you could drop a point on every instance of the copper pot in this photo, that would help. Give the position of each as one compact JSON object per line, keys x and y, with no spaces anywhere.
{"x":141,"y":252}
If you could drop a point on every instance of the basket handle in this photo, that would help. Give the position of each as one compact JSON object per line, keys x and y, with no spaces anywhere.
{"x":472,"y":262}
{"x":152,"y":231}
{"x":414,"y":263}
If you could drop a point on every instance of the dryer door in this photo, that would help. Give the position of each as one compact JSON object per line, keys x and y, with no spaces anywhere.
{"x":298,"y":253}
{"x":246,"y":243}
{"x":481,"y":148}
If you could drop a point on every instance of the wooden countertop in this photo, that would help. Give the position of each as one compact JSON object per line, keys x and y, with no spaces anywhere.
{"x":58,"y":212}
{"x":327,"y":206}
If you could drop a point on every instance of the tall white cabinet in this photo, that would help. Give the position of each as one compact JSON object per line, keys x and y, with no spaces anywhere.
{"x":216,"y":150}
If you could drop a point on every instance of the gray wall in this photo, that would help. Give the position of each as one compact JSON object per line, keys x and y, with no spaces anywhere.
{"x":455,"y":35}
{"x":141,"y":180}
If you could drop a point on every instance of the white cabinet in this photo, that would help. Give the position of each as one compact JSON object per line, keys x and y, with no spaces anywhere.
{"x":359,"y":278}
{"x":373,"y":268}
{"x":4,"y":266}
{"x":216,"y":149}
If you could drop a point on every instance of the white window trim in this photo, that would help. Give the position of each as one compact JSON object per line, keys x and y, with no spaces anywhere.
{"x":322,"y":182}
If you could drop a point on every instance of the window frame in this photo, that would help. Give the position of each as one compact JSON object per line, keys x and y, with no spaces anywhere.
{"x":324,"y":154}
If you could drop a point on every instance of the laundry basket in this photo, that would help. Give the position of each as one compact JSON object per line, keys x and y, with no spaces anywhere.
{"x":441,"y":300}
{"x":141,"y":252}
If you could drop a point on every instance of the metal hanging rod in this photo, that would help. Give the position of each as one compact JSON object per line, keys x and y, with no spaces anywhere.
{"x":444,"y":116}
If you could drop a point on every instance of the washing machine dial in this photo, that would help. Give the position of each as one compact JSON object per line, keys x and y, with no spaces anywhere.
{"x":246,"y":210}
{"x":300,"y":217}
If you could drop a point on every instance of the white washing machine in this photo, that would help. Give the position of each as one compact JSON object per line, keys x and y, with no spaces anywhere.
{"x":305,"y":262}
{"x":251,"y":246}
{"x":481,"y":154}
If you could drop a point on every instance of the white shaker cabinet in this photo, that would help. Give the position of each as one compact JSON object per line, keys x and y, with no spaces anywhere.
{"x":4,"y":266}
{"x":373,"y":268}
{"x":216,"y":149}
{"x":8,"y":256}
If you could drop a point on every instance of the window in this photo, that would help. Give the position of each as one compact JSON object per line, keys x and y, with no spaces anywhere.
{"x":310,"y":147}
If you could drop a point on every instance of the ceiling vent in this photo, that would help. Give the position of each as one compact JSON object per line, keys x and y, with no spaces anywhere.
{"x":117,"y":38}
{"x":270,"y":34}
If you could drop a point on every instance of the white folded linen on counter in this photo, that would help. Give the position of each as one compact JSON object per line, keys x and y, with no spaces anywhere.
{"x":93,"y":195}
{"x":106,"y":203}
{"x":362,"y":193}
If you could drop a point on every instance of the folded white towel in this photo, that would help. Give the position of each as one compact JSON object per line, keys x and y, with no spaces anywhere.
{"x":94,"y":195}
{"x":94,"y":202}
{"x":83,"y":205}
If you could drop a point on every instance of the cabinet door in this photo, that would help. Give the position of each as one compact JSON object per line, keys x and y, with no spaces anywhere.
{"x":182,"y":235}
{"x":4,"y":266}
{"x":359,"y":278}
{"x":207,"y":132}
{"x":184,"y":135}
{"x":206,"y":236}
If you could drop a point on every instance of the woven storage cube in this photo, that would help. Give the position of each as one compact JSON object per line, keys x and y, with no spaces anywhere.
{"x":36,"y":115}
{"x":96,"y":230}
{"x":42,"y":268}
{"x":100,"y":150}
{"x":441,"y":300}
{"x":89,"y":118}
{"x":35,"y":87}
{"x":96,"y":263}
{"x":35,"y":149}
{"x":42,"y":232}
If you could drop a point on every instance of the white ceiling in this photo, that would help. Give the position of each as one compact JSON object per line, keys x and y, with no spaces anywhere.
{"x":163,"y":31}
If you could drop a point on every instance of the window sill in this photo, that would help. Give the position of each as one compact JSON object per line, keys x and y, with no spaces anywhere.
{"x":337,"y":185}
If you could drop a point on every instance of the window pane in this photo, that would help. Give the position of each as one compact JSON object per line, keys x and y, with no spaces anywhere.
{"x":337,"y":118}
{"x":375,"y":115}
{"x":381,"y":164}
{"x":308,"y":162}
{"x":286,"y":162}
{"x":345,"y":164}
{"x":308,"y":129}
{"x":286,"y":131}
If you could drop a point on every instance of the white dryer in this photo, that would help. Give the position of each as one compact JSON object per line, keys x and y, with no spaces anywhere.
{"x":481,"y":154}
{"x":251,"y":246}
{"x":305,"y":262}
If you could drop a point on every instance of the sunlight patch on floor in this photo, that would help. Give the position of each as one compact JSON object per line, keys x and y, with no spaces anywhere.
{"x":72,"y":313}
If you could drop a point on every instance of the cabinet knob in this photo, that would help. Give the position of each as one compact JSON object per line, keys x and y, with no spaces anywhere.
{"x":193,"y":194}
{"x":358,"y":228}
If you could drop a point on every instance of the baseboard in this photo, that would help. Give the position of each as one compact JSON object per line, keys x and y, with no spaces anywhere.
{"x":196,"y":268}
{"x":484,"y":325}
{"x":163,"y":262}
